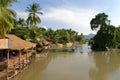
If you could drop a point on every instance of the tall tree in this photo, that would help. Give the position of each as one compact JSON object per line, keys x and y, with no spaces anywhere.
{"x":100,"y":21}
{"x":105,"y":36}
{"x":6,"y":17}
{"x":33,"y":18}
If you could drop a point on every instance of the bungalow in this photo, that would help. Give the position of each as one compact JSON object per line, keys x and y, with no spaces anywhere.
{"x":15,"y":54}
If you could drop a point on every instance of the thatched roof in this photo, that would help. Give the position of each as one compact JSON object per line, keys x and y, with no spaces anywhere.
{"x":17,"y":43}
{"x":4,"y":44}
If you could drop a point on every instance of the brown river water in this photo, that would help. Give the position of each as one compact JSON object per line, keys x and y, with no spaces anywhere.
{"x":80,"y":64}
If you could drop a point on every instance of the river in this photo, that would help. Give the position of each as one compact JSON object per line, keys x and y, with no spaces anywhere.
{"x":80,"y":64}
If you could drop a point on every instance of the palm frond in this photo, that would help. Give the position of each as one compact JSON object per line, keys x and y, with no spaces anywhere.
{"x":33,"y":18}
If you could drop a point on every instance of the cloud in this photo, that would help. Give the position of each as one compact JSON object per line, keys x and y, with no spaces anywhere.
{"x":22,"y":14}
{"x":44,"y":27}
{"x":76,"y":17}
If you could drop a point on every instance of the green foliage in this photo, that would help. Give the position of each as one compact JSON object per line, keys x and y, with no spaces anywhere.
{"x":49,"y":33}
{"x":21,"y":22}
{"x":63,"y":36}
{"x":28,"y":30}
{"x":100,"y":21}
{"x":33,"y":18}
{"x":6,"y":17}
{"x":107,"y":35}
{"x":22,"y":32}
{"x":80,"y":38}
{"x":38,"y":35}
{"x":104,"y":38}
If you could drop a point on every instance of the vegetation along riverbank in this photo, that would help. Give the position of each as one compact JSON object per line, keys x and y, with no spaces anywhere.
{"x":22,"y":40}
{"x":25,"y":36}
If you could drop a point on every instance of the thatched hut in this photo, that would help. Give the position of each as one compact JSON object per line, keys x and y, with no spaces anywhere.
{"x":15,"y":53}
{"x":17,"y":44}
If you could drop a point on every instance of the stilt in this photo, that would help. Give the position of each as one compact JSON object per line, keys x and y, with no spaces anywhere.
{"x":8,"y":65}
{"x":19,"y":60}
{"x":26,"y":57}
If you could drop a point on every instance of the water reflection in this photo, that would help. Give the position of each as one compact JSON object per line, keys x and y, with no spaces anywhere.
{"x":105,"y":64}
{"x":82,"y":64}
{"x":83,"y":48}
{"x":33,"y":71}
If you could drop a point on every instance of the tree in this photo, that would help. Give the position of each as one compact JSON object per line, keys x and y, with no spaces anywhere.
{"x":32,"y":21}
{"x":105,"y":36}
{"x":21,"y":22}
{"x":6,"y":17}
{"x":100,"y":21}
{"x":22,"y":32}
{"x":49,"y":33}
{"x":36,"y":35}
{"x":33,"y":18}
{"x":117,"y":36}
{"x":28,"y":34}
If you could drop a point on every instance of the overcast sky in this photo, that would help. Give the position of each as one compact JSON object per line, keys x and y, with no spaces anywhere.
{"x":74,"y":14}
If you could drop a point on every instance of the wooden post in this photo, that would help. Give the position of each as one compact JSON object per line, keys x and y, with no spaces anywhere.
{"x":8,"y":64}
{"x":30,"y":55}
{"x":26,"y":57}
{"x":19,"y":60}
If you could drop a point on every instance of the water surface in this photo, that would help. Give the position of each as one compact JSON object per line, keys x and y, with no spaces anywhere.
{"x":81,"y":64}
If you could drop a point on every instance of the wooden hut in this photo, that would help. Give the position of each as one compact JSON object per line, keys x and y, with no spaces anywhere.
{"x":17,"y":54}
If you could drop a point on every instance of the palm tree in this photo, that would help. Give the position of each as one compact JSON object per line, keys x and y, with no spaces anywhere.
{"x":21,"y":22}
{"x":6,"y":17}
{"x":33,"y":19}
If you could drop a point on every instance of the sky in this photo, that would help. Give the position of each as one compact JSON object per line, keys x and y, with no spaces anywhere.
{"x":74,"y":14}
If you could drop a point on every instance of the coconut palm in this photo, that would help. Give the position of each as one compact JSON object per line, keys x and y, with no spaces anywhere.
{"x":21,"y":22}
{"x":6,"y":17}
{"x":33,"y":18}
